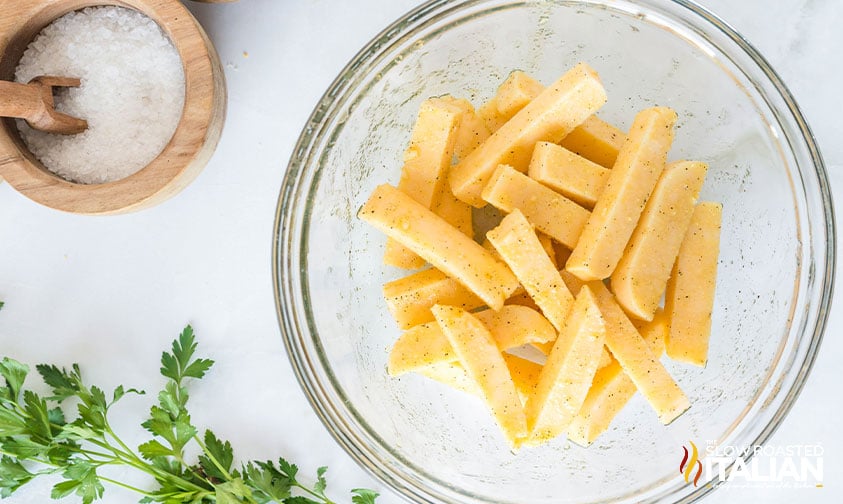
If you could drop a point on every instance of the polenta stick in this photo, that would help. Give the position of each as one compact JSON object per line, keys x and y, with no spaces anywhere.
{"x":515,"y":93}
{"x":425,"y":344}
{"x":550,"y":116}
{"x":639,"y":164}
{"x":567,"y":173}
{"x":454,"y":211}
{"x":640,"y":278}
{"x":479,"y":355}
{"x":472,"y":130}
{"x":419,"y":347}
{"x":637,"y":360}
{"x":451,"y":374}
{"x":553,"y":214}
{"x":574,"y":285}
{"x":567,"y":375}
{"x":612,"y":388}
{"x":689,"y":299}
{"x":547,"y":245}
{"x":409,"y":298}
{"x":524,"y":374}
{"x":426,"y":162}
{"x":518,"y":245}
{"x":545,"y":348}
{"x":439,"y":243}
{"x":595,"y":140}
{"x":522,"y":298}
{"x":471,"y":133}
{"x":514,"y":325}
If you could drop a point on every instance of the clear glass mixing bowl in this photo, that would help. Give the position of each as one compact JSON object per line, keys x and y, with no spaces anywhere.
{"x":775,"y":274}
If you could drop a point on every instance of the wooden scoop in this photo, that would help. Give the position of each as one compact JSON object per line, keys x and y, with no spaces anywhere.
{"x":34,"y":103}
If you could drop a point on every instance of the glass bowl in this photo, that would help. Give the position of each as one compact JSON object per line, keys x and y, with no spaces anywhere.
{"x":430,"y":443}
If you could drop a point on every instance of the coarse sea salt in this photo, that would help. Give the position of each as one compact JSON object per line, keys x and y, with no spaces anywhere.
{"x":132,"y":92}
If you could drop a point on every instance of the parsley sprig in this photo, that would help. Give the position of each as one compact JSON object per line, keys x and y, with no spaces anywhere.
{"x":37,"y":439}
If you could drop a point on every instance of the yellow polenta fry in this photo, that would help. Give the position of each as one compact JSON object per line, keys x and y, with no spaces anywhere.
{"x":595,"y":140}
{"x":637,"y":360}
{"x":640,"y":278}
{"x":409,"y":298}
{"x":612,"y":388}
{"x":472,"y":130}
{"x":654,"y":331}
{"x":524,"y":374}
{"x":567,"y":375}
{"x":547,"y":245}
{"x":425,"y":344}
{"x":426,"y":162}
{"x":471,"y":133}
{"x":419,"y":347}
{"x":545,"y":348}
{"x":522,"y":298}
{"x":689,"y":299}
{"x":551,"y":213}
{"x":451,"y":374}
{"x":442,"y":245}
{"x":479,"y":355}
{"x":515,"y":93}
{"x":574,"y":285}
{"x":454,"y":211}
{"x":514,"y":325}
{"x":571,"y":175}
{"x":549,"y":117}
{"x":562,"y":254}
{"x":639,"y":164}
{"x":517,"y":243}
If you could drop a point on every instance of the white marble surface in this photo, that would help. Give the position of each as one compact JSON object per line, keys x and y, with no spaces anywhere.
{"x":110,"y":293}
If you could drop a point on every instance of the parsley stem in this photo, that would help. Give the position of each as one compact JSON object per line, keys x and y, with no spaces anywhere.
{"x":127,"y":487}
{"x":324,"y":499}
{"x":132,"y":460}
{"x":211,"y":457}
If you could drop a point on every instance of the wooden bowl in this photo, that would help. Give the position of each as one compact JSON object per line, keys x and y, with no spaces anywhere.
{"x":182,"y":159}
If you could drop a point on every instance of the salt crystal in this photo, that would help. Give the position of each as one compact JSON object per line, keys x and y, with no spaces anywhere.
{"x":132,"y":92}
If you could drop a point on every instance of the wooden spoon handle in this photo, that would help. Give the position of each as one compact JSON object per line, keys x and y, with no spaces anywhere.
{"x":24,"y":101}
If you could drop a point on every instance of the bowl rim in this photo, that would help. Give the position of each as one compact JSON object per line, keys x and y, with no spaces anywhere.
{"x":334,"y":96}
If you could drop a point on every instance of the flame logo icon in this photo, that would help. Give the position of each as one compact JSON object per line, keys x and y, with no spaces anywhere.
{"x":686,"y":467}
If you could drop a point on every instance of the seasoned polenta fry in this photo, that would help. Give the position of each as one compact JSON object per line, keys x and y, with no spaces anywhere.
{"x":442,"y":245}
{"x":639,"y":164}
{"x":425,"y":344}
{"x":426,"y":162}
{"x":567,"y":375}
{"x":409,"y":298}
{"x":550,"y":212}
{"x":550,"y":116}
{"x":517,"y":243}
{"x":641,"y":276}
{"x":479,"y":355}
{"x":689,"y":300}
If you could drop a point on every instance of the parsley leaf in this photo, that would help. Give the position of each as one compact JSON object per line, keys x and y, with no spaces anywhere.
{"x":37,"y":438}
{"x":14,"y":374}
{"x":363,"y":496}
{"x":217,"y":462}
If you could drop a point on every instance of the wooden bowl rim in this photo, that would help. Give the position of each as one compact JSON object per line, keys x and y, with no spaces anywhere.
{"x":32,"y":179}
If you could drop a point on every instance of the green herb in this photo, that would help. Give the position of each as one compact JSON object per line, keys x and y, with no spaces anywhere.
{"x":37,"y":439}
